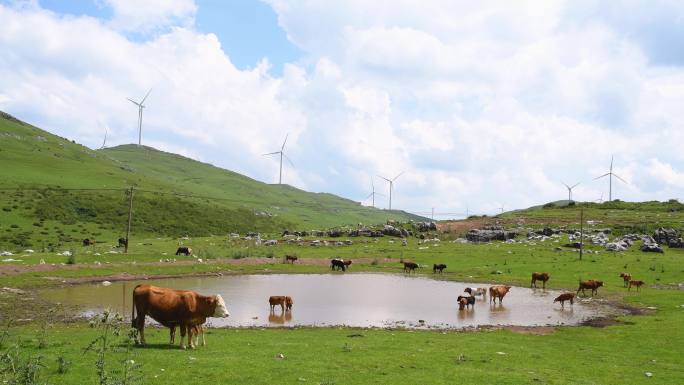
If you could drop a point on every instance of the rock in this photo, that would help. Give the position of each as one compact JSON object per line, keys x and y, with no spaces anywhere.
{"x":425,"y":226}
{"x":486,"y":235}
{"x":616,"y":246}
{"x":5,"y":254}
{"x":574,"y":245}
{"x":392,"y":231}
{"x":665,"y":235}
{"x":270,"y":242}
{"x":106,"y":283}
{"x":651,"y":248}
{"x":676,"y":243}
{"x":280,"y":356}
{"x":648,"y":374}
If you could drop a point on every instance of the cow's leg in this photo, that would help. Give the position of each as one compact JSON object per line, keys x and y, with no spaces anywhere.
{"x":190,"y":339}
{"x":172,"y":334}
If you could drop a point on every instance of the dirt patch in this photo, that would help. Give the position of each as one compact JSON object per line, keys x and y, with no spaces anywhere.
{"x":534,"y":330}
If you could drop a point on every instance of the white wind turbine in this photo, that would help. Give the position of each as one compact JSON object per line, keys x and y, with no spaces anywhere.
{"x":610,"y":176}
{"x":282,"y":154}
{"x":104,"y":142}
{"x":373,"y":193}
{"x":140,"y":114}
{"x":391,"y":186}
{"x":570,"y":189}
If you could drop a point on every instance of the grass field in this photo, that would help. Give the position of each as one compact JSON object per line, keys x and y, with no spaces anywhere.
{"x":620,"y":353}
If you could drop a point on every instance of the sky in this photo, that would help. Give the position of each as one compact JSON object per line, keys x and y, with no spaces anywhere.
{"x":480,"y":105}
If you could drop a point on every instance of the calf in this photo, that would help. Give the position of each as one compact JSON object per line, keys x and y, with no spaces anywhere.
{"x":498,"y":292}
{"x":539,"y":277}
{"x":347,"y":263}
{"x":565,"y":297}
{"x":638,"y":285}
{"x":88,"y":242}
{"x":337,"y":264}
{"x":438,"y":267}
{"x":285,"y":302}
{"x":184,"y":251}
{"x":467,"y":300}
{"x":626,"y":277}
{"x":291,"y":258}
{"x":123,"y":242}
{"x":410,"y":266}
{"x":476,"y":291}
{"x":590,"y":284}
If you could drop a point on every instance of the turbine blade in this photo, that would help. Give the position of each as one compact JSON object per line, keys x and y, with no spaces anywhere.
{"x":576,"y":184}
{"x":384,"y":178}
{"x":146,"y":95}
{"x":288,"y":159}
{"x":598,"y":177}
{"x":611,"y":163}
{"x":395,"y":178}
{"x":368,"y":196}
{"x":565,"y":184}
{"x":272,"y":153}
{"x":284,"y":141}
{"x":133,"y":101}
{"x":615,"y":175}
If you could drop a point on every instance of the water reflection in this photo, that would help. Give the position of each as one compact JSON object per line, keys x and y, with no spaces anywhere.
{"x":343,"y":299}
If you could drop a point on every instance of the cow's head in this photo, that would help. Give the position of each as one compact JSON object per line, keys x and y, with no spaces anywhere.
{"x":289,"y":303}
{"x":599,"y":283}
{"x":220,"y":309}
{"x":507,"y":288}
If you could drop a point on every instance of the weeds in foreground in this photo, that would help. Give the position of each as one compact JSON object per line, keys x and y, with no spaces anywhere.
{"x":111,"y":325}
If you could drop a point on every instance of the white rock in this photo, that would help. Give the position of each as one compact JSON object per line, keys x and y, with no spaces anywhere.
{"x":106,"y":283}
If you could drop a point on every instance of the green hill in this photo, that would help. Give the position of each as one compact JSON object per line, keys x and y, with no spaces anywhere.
{"x":54,"y":190}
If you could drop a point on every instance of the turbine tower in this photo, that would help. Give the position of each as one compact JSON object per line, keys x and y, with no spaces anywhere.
{"x":104,"y":142}
{"x":503,"y":205}
{"x":610,"y":176}
{"x":570,"y":189}
{"x":391,"y":186}
{"x":140,"y":111}
{"x":282,"y":154}
{"x":373,"y":193}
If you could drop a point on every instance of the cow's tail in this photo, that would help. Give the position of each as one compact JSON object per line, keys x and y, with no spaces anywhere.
{"x":133,"y":323}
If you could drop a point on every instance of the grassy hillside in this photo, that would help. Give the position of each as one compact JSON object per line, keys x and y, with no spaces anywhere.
{"x":55,"y":191}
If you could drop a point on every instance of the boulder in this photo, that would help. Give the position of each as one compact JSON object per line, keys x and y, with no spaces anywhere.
{"x":425,"y":226}
{"x":392,"y":231}
{"x":651,"y":248}
{"x":665,"y":235}
{"x":486,"y":235}
{"x":676,"y":243}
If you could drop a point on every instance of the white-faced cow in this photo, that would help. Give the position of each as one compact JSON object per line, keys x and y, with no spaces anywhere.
{"x":183,"y":308}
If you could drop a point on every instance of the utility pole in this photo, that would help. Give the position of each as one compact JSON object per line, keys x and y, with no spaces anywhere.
{"x":581,"y":232}
{"x":130,"y":216}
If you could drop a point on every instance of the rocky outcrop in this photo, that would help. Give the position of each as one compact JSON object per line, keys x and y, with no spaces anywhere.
{"x":664,"y":235}
{"x":489,"y":234}
{"x":425,"y":226}
{"x":676,"y":243}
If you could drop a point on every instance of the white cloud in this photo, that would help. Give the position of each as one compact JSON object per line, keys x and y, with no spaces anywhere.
{"x":151,"y":15}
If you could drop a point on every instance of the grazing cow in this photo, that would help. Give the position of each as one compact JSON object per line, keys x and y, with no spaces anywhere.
{"x":462,"y":303}
{"x":590,"y":284}
{"x":285,"y":302}
{"x":539,"y":277}
{"x":626,"y":277}
{"x":439,"y":267}
{"x":638,"y":285}
{"x":469,"y":300}
{"x":347,"y":263}
{"x":88,"y":242}
{"x":291,"y":258}
{"x":123,"y":242}
{"x":172,"y":308}
{"x":410,"y":266}
{"x":184,"y":250}
{"x":476,"y":291}
{"x":499,"y":292}
{"x":565,"y":297}
{"x":337,"y":264}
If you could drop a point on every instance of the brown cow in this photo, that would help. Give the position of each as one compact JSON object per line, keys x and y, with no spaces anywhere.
{"x":626,"y":277}
{"x":172,"y":307}
{"x":467,"y":299}
{"x":638,"y":285}
{"x":88,"y":242}
{"x":410,"y":266}
{"x":291,"y":258}
{"x":590,"y":284}
{"x":565,"y":297}
{"x":285,"y":302}
{"x":539,"y":277}
{"x":347,"y":263}
{"x":498,"y":292}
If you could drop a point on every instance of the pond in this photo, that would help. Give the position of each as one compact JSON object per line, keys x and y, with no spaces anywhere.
{"x":360,"y":300}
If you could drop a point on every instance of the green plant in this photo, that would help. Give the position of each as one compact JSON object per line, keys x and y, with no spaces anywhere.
{"x":63,"y":365}
{"x":71,"y":258}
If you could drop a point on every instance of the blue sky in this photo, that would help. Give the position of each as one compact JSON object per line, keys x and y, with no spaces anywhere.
{"x":481,"y":105}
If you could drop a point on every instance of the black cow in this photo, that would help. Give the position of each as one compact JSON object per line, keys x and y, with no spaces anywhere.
{"x":184,"y":250}
{"x":123,"y":242}
{"x":438,"y":267}
{"x":337,"y":263}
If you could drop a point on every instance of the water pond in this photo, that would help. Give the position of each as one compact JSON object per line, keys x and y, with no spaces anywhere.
{"x":360,"y":300}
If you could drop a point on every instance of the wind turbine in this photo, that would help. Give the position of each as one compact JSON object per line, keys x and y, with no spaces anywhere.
{"x":282,"y":154}
{"x":503,"y":205}
{"x":104,"y":142}
{"x":600,"y":200}
{"x":391,"y":186}
{"x":570,"y":189}
{"x":610,"y":176}
{"x":373,"y":193}
{"x":140,"y":111}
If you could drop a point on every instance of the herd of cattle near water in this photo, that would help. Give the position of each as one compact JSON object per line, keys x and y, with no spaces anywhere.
{"x":189,"y":310}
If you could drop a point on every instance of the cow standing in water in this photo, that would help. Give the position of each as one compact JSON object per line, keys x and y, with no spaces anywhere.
{"x":539,"y":277}
{"x":171,"y":308}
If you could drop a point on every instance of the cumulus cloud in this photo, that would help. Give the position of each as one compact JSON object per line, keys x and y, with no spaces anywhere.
{"x":481,"y":106}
